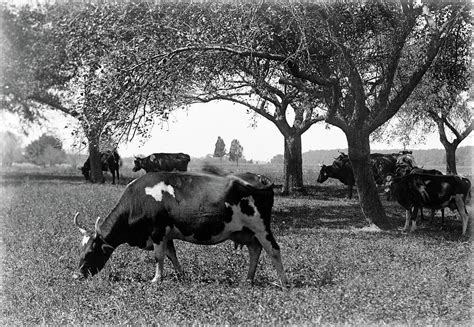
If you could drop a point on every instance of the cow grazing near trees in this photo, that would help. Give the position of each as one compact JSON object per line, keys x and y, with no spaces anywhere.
{"x":341,"y":169}
{"x":162,"y":162}
{"x":415,"y":191}
{"x":199,"y":208}
{"x":109,"y":160}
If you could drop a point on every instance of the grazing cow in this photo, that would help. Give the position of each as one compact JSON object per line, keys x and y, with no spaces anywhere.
{"x":199,"y":208}
{"x":162,"y":162}
{"x":414,"y":191}
{"x":110,"y":161}
{"x":341,"y":169}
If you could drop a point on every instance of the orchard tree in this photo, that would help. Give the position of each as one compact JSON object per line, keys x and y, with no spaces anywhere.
{"x":253,"y":83}
{"x":367,"y":57}
{"x":236,"y":151}
{"x":47,"y":149}
{"x":71,"y":58}
{"x":441,"y":101}
{"x":10,"y":148}
{"x":219,"y":150}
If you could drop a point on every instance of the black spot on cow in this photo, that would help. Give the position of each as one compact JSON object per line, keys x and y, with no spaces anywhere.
{"x":205,"y":231}
{"x":228,"y":214}
{"x":246,"y":208}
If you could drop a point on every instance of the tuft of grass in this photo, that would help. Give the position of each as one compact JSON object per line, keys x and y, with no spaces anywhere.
{"x":338,"y":276}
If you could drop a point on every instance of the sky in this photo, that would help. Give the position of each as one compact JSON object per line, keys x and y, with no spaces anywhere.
{"x":195,"y":132}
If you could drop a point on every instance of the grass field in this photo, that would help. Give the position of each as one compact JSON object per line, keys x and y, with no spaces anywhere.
{"x":339,"y":274}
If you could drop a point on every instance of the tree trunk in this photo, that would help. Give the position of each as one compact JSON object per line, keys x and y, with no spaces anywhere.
{"x":359,"y":154}
{"x":450,"y":158}
{"x":95,"y":174}
{"x":293,"y":164}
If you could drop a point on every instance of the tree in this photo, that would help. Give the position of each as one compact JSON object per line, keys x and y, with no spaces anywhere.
{"x":71,"y":57}
{"x":219,"y":150}
{"x":441,"y":101}
{"x":10,"y":148}
{"x":253,"y":83}
{"x":236,"y":151}
{"x":47,"y":149}
{"x":367,"y":57}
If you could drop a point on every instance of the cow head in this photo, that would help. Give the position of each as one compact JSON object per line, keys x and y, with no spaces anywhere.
{"x":94,"y":251}
{"x":323,"y":174}
{"x":138,"y":164}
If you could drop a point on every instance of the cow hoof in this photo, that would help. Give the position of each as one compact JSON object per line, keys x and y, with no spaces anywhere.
{"x":156,"y":280}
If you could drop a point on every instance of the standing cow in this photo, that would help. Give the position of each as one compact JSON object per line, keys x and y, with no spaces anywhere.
{"x":162,"y":162}
{"x":415,"y":191}
{"x":341,"y":169}
{"x":109,"y":160}
{"x":199,"y":208}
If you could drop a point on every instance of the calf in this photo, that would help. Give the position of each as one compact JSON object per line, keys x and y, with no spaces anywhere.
{"x":162,"y":162}
{"x":415,"y":191}
{"x":109,"y":160}
{"x":199,"y":208}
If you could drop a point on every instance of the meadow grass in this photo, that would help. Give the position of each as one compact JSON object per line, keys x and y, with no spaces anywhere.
{"x":339,"y":274}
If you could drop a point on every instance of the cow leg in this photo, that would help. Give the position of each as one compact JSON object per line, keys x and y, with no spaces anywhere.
{"x":113,"y":176}
{"x":171,"y":254}
{"x":255,"y":248}
{"x":268,"y":242}
{"x":349,"y":191}
{"x":460,"y":206}
{"x":442,"y":216}
{"x":432,"y":217}
{"x":159,"y":251}
{"x":413,"y":218}
{"x":407,"y":219}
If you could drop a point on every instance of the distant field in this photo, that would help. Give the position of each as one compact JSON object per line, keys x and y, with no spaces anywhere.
{"x":339,"y":274}
{"x":275,"y":172}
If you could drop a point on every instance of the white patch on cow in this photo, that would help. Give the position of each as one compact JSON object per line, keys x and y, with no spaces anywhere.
{"x":424,"y":194}
{"x":85,"y":239}
{"x":239,"y":219}
{"x":157,"y":191}
{"x":152,"y":157}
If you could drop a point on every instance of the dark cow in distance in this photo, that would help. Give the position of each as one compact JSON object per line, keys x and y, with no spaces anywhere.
{"x":199,"y":208}
{"x":110,"y":161}
{"x":415,"y":191}
{"x":341,"y":169}
{"x":162,"y":162}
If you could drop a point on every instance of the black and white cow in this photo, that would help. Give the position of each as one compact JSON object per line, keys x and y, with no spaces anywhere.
{"x":109,"y":160}
{"x":415,"y":191}
{"x":199,"y":208}
{"x":162,"y":162}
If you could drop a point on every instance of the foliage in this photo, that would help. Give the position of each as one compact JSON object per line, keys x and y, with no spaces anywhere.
{"x":10,"y":148}
{"x":236,"y":151}
{"x":339,"y":275}
{"x":219,"y":150}
{"x":47,"y":149}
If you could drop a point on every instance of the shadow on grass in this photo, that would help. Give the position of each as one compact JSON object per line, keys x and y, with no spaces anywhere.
{"x":330,"y":209}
